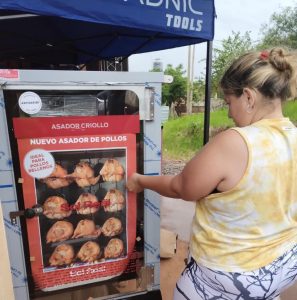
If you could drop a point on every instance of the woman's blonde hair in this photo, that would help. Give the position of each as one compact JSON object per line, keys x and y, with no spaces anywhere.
{"x":271,"y":72}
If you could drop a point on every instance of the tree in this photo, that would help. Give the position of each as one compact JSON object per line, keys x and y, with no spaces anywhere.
{"x":198,"y":90}
{"x":175,"y":91}
{"x":281,"y":30}
{"x":232,"y":47}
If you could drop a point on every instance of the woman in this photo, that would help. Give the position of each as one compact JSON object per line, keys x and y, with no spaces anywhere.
{"x":244,"y":181}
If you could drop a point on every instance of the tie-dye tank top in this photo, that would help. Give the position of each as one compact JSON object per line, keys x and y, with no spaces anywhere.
{"x":255,"y":222}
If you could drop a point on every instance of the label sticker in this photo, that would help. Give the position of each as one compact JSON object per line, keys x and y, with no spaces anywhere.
{"x":30,"y":103}
{"x":10,"y":74}
{"x":39,"y":163}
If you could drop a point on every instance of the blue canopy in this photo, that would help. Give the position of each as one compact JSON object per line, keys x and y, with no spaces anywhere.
{"x":80,"y":31}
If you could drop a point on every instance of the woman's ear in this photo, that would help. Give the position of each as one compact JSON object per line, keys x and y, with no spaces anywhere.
{"x":249,"y":98}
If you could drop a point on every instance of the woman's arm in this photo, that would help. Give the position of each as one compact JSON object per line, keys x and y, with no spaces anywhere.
{"x":161,"y":184}
{"x":221,"y":163}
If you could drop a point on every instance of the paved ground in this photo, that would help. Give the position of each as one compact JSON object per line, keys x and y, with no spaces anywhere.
{"x":171,"y":269}
{"x":176,"y":216}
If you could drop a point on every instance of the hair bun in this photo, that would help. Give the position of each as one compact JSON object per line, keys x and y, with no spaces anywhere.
{"x":278,"y":59}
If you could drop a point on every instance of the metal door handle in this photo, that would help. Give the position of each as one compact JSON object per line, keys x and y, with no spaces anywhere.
{"x":28,"y":213}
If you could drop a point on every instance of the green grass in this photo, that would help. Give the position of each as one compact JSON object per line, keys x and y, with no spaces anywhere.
{"x":290,"y":110}
{"x":183,"y":137}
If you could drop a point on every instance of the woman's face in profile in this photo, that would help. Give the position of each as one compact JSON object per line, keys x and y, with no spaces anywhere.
{"x":237,"y":109}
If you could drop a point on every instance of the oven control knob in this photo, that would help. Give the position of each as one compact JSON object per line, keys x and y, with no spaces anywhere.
{"x":36,"y":210}
{"x":29,"y":213}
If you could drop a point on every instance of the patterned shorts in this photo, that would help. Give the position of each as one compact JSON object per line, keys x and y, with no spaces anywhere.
{"x":201,"y":283}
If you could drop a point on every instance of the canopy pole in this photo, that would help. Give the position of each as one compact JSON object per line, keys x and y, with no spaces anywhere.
{"x":207,"y":92}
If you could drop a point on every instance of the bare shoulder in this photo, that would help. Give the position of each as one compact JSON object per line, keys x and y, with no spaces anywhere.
{"x":220,"y":161}
{"x":236,"y":155}
{"x":229,"y":138}
{"x":224,"y":145}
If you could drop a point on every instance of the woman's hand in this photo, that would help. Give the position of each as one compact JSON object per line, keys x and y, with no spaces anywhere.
{"x":133,"y":184}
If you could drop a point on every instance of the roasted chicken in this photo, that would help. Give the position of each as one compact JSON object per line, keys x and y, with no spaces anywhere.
{"x":60,"y":231}
{"x":114,"y":248}
{"x":87,"y":204}
{"x":112,"y":227}
{"x":58,"y":178}
{"x":114,"y":201}
{"x":55,"y":207}
{"x":84,"y":175}
{"x":86,"y":228}
{"x":89,"y":252}
{"x":62,"y":255}
{"x":112,"y":170}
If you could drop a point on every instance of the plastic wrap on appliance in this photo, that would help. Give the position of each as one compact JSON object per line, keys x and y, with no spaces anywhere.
{"x":152,"y":166}
{"x":8,"y":202}
{"x":152,"y":215}
{"x":5,"y":158}
{"x":21,"y":292}
{"x":14,"y":238}
{"x":1,"y":103}
{"x":152,"y":232}
{"x":13,"y":233}
{"x":70,"y":105}
{"x":5,"y":161}
{"x":153,"y":148}
{"x":156,"y":94}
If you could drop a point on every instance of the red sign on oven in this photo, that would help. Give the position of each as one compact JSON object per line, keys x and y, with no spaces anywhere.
{"x":75,"y":126}
{"x":87,"y":228}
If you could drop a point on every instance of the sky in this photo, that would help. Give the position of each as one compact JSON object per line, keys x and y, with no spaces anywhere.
{"x":232,"y":15}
